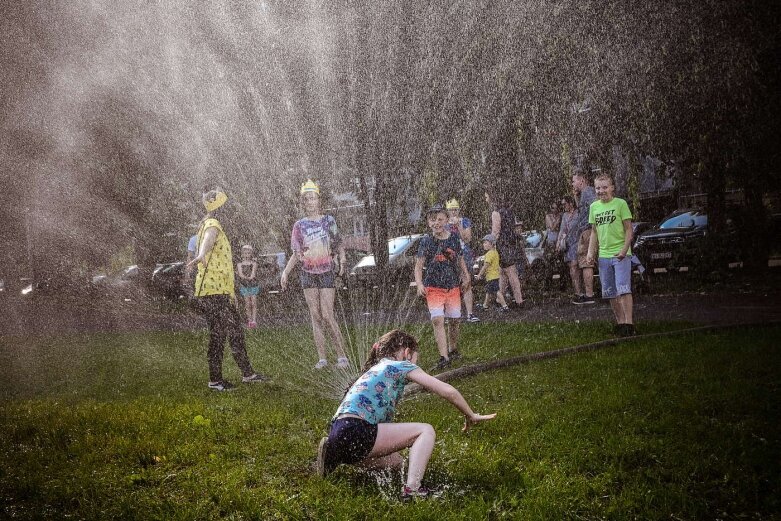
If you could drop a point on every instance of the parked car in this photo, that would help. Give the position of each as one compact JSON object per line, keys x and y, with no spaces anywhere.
{"x":167,"y":280}
{"x":676,"y":242}
{"x":401,"y":261}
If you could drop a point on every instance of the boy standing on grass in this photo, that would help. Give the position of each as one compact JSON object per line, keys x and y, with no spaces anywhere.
{"x":611,"y":223}
{"x":491,"y":271}
{"x":444,"y":261}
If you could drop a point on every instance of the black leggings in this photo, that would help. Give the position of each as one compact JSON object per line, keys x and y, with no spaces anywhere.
{"x":224,"y":323}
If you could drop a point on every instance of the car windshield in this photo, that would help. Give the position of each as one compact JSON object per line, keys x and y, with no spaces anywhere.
{"x":398,"y":245}
{"x":685,"y":220}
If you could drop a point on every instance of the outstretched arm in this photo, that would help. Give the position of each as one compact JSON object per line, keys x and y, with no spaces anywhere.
{"x":449,"y":393}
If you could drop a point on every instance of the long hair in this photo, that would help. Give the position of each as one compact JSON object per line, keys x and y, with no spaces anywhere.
{"x":387,"y":346}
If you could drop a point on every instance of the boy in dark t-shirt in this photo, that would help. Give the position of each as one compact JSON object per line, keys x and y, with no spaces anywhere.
{"x":442,"y":256}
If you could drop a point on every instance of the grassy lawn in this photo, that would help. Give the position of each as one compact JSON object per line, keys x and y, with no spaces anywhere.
{"x":122,"y":426}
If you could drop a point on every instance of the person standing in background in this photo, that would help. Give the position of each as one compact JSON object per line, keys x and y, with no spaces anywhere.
{"x":462,"y":226}
{"x":583,"y":279}
{"x":216,"y":296}
{"x":313,"y":241}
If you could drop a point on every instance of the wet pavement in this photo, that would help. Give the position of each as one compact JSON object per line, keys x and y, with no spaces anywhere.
{"x":49,"y":316}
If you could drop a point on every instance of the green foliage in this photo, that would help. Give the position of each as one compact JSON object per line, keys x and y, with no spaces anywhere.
{"x":122,"y":426}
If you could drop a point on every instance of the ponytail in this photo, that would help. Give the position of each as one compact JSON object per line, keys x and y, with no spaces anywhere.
{"x":387,"y":346}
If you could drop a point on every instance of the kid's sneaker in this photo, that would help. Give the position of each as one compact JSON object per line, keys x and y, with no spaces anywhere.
{"x":252,"y":324}
{"x":221,"y":386}
{"x":407,"y":494}
{"x":255,"y":378}
{"x":321,"y":363}
{"x":454,"y":355}
{"x":343,"y":363}
{"x":443,"y":363}
{"x":505,"y":309}
{"x":323,"y":467}
{"x":473,"y":318}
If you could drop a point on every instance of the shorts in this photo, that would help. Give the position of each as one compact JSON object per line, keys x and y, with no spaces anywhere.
{"x":615,"y":276}
{"x":583,"y":249}
{"x":350,"y":440}
{"x":249,"y":291}
{"x":571,"y":253}
{"x":508,"y":256}
{"x":444,"y":302}
{"x":317,"y":280}
{"x":492,"y":286}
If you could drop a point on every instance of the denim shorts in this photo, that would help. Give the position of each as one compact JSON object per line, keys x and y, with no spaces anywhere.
{"x":615,"y":276}
{"x":350,"y":440}
{"x":317,"y":280}
{"x":249,"y":291}
{"x":492,"y":286}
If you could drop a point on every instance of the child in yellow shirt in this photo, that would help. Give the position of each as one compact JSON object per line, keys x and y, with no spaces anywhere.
{"x":490,"y":270}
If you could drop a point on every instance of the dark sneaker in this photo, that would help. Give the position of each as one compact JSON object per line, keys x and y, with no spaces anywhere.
{"x":323,"y":467}
{"x":629,"y":330}
{"x":454,"y":355}
{"x":577,"y":299}
{"x":255,"y":378}
{"x":407,"y":494}
{"x":480,"y":307}
{"x":618,"y":329}
{"x":442,"y":364}
{"x":473,"y":318}
{"x":221,"y":386}
{"x":505,"y":309}
{"x":588,"y":300}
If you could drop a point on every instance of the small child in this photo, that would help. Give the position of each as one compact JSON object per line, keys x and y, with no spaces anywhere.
{"x":362,"y":432}
{"x":249,"y":287}
{"x":441,"y":252}
{"x":611,"y":227}
{"x":491,"y":271}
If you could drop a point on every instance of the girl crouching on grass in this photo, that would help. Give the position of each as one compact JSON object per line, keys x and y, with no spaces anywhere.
{"x":361,"y":430}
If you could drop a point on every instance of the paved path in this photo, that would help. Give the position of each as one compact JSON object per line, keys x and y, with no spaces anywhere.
{"x":34,"y":317}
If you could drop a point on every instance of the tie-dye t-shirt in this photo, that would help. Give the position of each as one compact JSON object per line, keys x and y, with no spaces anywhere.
{"x":217,"y":277}
{"x":374,"y":395}
{"x":316,"y":241}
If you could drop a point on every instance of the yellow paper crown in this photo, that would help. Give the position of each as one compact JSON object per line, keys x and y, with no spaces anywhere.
{"x":218,"y":200}
{"x":452,"y":204}
{"x":310,"y":187}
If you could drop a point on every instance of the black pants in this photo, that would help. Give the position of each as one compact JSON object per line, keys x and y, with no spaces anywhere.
{"x":224,"y":323}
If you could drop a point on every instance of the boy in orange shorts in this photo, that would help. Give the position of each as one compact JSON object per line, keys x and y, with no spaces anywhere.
{"x":440,"y":251}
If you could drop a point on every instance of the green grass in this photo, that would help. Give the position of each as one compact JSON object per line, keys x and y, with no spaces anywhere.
{"x":107,"y":426}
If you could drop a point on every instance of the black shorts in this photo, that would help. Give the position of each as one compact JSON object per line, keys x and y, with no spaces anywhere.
{"x":350,"y":440}
{"x":508,"y":256}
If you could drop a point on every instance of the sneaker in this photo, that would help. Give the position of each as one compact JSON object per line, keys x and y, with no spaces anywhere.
{"x":252,"y":324}
{"x":628,"y":330}
{"x":505,"y":309}
{"x":443,"y":363}
{"x":473,"y":318}
{"x":577,"y":299}
{"x":588,"y":300}
{"x":342,"y":363}
{"x":323,"y":467}
{"x":407,"y":494}
{"x":480,"y":307}
{"x":321,"y":363}
{"x":454,"y":355}
{"x":221,"y":386}
{"x":255,"y":378}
